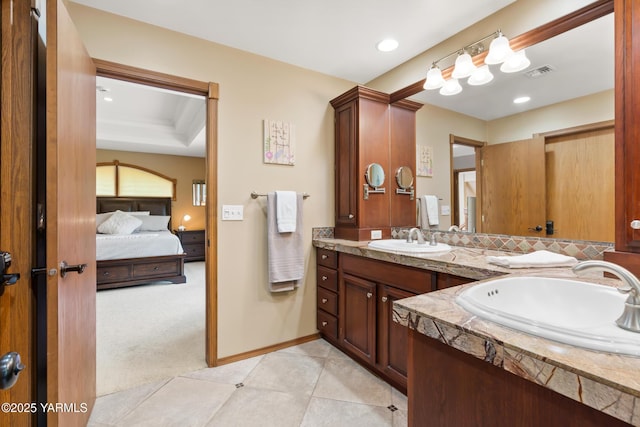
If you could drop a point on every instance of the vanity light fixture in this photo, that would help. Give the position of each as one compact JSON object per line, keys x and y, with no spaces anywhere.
{"x":499,"y":53}
{"x":387,"y":45}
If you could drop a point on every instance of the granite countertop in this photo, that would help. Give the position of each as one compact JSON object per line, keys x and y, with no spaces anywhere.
{"x":605,"y":381}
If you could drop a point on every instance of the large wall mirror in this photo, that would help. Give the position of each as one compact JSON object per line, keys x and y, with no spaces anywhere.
{"x":571,"y":85}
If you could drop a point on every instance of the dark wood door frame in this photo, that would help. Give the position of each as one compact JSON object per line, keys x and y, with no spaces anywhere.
{"x":210,"y":91}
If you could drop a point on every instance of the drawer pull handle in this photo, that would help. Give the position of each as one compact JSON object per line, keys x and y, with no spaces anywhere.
{"x":324,"y":300}
{"x":324,"y":323}
{"x":350,"y":216}
{"x":384,"y":299}
{"x":369,"y":294}
{"x":324,"y":278}
{"x":325,"y":256}
{"x":106,"y":273}
{"x":155,"y":268}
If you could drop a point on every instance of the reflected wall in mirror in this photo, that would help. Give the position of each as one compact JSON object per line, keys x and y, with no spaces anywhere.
{"x":374,"y":175}
{"x":404,"y":177}
{"x":571,"y":84}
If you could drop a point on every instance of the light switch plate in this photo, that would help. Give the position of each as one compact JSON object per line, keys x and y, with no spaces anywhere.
{"x":376,"y":234}
{"x":232,"y":212}
{"x":445,"y":210}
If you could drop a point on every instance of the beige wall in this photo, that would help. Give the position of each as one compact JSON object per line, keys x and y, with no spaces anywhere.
{"x":184,"y":169}
{"x":252,"y":88}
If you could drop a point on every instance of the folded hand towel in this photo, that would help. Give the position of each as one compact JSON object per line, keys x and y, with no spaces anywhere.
{"x":534,"y":259}
{"x":285,"y":250}
{"x":431,"y":202}
{"x":286,"y":211}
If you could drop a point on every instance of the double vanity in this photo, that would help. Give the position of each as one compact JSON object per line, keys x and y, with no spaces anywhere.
{"x":460,"y":334}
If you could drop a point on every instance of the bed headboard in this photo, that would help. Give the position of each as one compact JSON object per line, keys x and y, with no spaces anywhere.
{"x":155,"y":205}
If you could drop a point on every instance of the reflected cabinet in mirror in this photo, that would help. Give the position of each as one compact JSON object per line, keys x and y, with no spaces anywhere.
{"x":542,"y":167}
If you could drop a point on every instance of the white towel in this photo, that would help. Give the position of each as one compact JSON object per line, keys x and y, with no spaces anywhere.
{"x":534,"y":259}
{"x":431,"y":204}
{"x":285,"y":250}
{"x":286,"y":211}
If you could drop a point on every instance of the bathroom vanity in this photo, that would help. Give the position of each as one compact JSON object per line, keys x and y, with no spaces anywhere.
{"x":459,"y":369}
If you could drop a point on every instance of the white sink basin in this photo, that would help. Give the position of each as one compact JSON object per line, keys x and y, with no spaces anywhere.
{"x":569,"y":311}
{"x":403,"y":247}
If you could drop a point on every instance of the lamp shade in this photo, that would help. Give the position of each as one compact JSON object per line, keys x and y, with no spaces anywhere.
{"x":464,"y":66}
{"x":451,"y":87}
{"x":434,"y":79}
{"x":482,"y":75}
{"x":499,"y":50}
{"x":517,"y":61}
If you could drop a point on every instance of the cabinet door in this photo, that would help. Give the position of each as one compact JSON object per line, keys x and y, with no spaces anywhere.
{"x":392,"y":337}
{"x":346,"y":165}
{"x":357,"y":317}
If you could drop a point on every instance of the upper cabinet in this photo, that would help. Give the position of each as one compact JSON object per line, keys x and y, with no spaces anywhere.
{"x":627,"y":157}
{"x":373,"y":140}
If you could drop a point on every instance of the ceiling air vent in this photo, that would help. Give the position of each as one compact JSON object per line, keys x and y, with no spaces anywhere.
{"x":539,"y":72}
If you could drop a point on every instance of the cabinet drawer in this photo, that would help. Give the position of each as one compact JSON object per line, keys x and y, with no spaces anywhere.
{"x":327,"y":279}
{"x":328,"y":301}
{"x":187,"y":237}
{"x":327,"y":324}
{"x":113,"y":274}
{"x":327,"y":258}
{"x":155,"y":269}
{"x":194,"y":250}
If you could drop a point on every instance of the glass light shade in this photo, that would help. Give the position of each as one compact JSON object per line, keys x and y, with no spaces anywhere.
{"x":499,"y":50}
{"x":518,"y":61}
{"x":464,"y":66}
{"x":451,"y":87}
{"x":482,"y":75}
{"x":434,"y":79}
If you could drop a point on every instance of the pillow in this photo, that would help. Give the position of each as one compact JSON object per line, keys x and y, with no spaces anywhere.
{"x":102,"y":217}
{"x":154,"y":223}
{"x":120,"y":223}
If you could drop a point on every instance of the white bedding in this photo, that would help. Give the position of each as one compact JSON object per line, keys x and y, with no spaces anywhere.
{"x":137,"y":245}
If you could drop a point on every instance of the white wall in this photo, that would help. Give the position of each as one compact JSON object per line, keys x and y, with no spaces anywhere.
{"x":252,"y":88}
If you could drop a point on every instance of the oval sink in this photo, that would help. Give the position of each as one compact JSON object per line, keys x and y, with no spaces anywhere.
{"x":402,"y":246}
{"x":569,"y":311}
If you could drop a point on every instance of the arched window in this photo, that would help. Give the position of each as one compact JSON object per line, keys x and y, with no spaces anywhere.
{"x":124,"y":180}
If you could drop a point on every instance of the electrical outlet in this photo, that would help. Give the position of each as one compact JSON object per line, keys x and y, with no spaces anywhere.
{"x":376,"y":234}
{"x":232,"y":212}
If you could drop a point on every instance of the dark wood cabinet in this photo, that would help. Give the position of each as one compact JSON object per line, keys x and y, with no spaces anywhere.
{"x":327,"y":294}
{"x":358,"y":317}
{"x":370,"y":130}
{"x":193,"y":243}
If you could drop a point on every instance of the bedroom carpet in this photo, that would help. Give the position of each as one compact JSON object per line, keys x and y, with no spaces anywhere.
{"x":150,"y":332}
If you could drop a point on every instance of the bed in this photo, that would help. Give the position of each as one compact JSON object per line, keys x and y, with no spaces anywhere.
{"x":151,"y":255}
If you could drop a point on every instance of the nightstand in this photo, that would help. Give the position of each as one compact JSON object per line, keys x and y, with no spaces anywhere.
{"x":193,"y":244}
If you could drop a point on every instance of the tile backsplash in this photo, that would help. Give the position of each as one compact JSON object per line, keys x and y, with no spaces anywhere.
{"x":580,"y":249}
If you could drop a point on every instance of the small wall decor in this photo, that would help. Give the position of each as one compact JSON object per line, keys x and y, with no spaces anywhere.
{"x":424,"y":159}
{"x":279,"y":142}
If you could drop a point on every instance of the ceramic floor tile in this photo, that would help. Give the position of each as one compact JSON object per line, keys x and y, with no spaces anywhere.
{"x":111,"y":408}
{"x":316,"y":348}
{"x":286,"y":372}
{"x":182,"y":402}
{"x":344,"y":379}
{"x":334,"y":413}
{"x":252,"y":407}
{"x":398,"y":399}
{"x":337,"y":354}
{"x":232,"y":373}
{"x":400,"y":419}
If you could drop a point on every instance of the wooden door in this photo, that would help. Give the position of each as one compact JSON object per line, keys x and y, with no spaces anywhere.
{"x":392,"y":337}
{"x":358,"y":317}
{"x":70,"y":220}
{"x":580,"y":185}
{"x":513,"y":188}
{"x":17,"y":234}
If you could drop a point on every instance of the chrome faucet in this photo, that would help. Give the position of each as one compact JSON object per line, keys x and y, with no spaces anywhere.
{"x":419,"y":236}
{"x":630,"y":318}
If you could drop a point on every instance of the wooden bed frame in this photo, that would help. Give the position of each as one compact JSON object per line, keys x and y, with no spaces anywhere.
{"x":118,"y":273}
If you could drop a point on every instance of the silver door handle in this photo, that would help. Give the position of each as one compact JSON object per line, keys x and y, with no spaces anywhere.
{"x":10,"y":367}
{"x":635,"y":224}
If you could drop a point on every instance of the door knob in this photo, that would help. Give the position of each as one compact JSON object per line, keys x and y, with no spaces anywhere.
{"x":8,"y":279}
{"x":10,"y":367}
{"x":635,"y":224}
{"x":537,"y":228}
{"x":66,"y":268}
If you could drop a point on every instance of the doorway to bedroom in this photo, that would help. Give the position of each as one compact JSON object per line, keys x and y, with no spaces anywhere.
{"x":164,"y":125}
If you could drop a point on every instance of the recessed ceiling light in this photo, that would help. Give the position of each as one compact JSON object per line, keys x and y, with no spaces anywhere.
{"x":108,"y":98}
{"x":387,"y":45}
{"x":522,"y":99}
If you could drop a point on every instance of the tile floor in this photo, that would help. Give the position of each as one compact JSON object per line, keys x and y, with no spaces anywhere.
{"x":308,"y":385}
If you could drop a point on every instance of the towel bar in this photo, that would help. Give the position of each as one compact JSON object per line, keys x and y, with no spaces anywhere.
{"x":255,"y":195}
